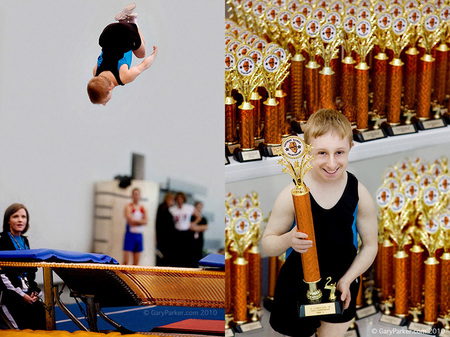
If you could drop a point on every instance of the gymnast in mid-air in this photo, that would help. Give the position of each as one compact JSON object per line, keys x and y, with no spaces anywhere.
{"x":118,"y":41}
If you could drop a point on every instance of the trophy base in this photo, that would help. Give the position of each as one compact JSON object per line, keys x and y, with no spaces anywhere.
{"x":435,"y":329}
{"x":429,"y":124}
{"x":368,"y":135}
{"x":321,"y":309}
{"x":393,"y":320}
{"x":398,"y":130}
{"x":297,"y":127}
{"x":269,"y":150}
{"x":353,"y":331}
{"x":268,"y":303}
{"x":230,"y":148}
{"x":247,"y":327}
{"x":366,"y":311}
{"x":244,"y":155}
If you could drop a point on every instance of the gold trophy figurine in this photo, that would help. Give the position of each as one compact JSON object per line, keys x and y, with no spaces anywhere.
{"x":292,"y":150}
{"x":273,"y":74}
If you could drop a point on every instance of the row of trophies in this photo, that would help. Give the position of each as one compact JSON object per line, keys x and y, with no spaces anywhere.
{"x":412,"y":268}
{"x":243,"y":219}
{"x":373,"y":61}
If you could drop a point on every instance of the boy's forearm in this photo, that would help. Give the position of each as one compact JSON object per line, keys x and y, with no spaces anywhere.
{"x":361,"y":263}
{"x":275,"y":245}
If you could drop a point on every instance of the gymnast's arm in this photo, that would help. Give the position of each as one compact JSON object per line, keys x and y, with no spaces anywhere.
{"x":278,"y":235}
{"x":129,"y":75}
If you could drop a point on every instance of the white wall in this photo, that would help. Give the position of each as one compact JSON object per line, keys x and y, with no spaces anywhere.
{"x":55,"y":144}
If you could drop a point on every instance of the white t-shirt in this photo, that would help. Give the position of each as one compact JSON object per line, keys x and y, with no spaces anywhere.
{"x":137,"y":214}
{"x":182,"y":216}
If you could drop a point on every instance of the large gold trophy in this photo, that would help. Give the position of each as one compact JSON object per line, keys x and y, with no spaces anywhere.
{"x":231,"y":140}
{"x":273,"y":74}
{"x":247,"y":79}
{"x":364,"y":43}
{"x":430,"y":36}
{"x":328,"y":45}
{"x":399,"y":39}
{"x":292,"y":150}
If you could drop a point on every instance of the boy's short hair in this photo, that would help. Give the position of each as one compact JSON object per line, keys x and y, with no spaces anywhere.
{"x":325,"y":120}
{"x":98,"y":89}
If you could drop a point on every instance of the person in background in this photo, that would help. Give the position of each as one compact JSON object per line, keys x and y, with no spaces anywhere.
{"x":165,"y":232}
{"x":186,"y":219}
{"x":136,"y":216}
{"x":20,"y":297}
{"x":201,"y":226}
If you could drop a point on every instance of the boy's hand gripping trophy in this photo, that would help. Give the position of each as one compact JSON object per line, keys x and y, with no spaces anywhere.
{"x":292,"y":150}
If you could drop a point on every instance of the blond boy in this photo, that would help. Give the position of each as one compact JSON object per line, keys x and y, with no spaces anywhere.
{"x":341,"y":208}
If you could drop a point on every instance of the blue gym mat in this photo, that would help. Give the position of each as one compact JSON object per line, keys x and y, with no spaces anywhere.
{"x":141,"y":318}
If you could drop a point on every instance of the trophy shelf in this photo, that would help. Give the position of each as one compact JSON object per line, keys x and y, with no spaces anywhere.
{"x":268,"y":166}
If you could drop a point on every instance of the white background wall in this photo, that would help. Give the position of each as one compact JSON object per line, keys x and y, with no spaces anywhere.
{"x":55,"y":144}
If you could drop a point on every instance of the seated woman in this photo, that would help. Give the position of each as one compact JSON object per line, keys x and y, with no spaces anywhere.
{"x":20,"y":293}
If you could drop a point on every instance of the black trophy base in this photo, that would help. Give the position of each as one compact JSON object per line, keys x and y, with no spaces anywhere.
{"x":400,"y":129}
{"x":353,"y":331}
{"x":321,"y":309}
{"x":230,"y":148}
{"x":297,"y":127}
{"x":366,"y":311}
{"x":393,"y":320}
{"x":269,"y":150}
{"x":247,"y":327}
{"x":368,"y":135}
{"x":268,"y":303}
{"x":244,"y":155}
{"x":429,"y":124}
{"x":428,"y":329}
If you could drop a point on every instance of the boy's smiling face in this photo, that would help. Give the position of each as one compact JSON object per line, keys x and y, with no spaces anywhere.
{"x":330,"y":153}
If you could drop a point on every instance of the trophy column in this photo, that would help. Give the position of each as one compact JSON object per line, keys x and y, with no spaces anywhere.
{"x":297,"y":98}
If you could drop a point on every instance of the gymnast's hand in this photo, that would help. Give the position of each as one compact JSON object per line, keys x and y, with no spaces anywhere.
{"x":299,"y":241}
{"x":30,"y":299}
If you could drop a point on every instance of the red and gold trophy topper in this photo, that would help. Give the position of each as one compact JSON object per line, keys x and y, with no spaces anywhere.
{"x":292,"y":150}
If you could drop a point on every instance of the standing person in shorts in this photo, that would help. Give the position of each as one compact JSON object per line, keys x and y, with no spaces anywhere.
{"x":342,"y":208}
{"x":136,"y":216}
{"x":118,"y":41}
